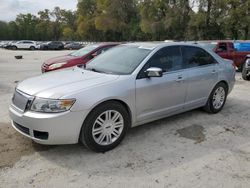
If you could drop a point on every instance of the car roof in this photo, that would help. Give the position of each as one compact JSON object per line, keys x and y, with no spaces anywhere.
{"x":154,"y":45}
{"x":102,"y":44}
{"x":145,"y":45}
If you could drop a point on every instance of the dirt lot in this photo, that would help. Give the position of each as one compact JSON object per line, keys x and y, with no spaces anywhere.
{"x":193,"y":149}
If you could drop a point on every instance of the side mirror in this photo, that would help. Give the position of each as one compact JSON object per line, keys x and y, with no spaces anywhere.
{"x":154,"y":72}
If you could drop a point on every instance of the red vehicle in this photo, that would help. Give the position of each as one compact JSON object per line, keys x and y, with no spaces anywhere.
{"x":79,"y":57}
{"x":226,"y":50}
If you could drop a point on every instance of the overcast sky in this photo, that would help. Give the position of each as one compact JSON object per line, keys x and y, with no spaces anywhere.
{"x":10,"y":8}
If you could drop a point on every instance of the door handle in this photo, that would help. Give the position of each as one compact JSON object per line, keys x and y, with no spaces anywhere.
{"x":179,"y":79}
{"x":213,"y":71}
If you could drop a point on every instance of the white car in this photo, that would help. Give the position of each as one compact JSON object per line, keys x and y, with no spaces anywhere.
{"x":25,"y":44}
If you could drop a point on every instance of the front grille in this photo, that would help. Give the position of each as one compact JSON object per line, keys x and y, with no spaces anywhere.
{"x":21,"y":100}
{"x":22,"y":128}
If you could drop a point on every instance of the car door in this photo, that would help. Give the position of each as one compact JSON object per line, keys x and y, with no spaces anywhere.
{"x":202,"y":72}
{"x":52,"y":46}
{"x":26,"y":44}
{"x":21,"y":45}
{"x":159,"y":96}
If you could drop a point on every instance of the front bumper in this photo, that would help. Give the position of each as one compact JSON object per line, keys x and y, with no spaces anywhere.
{"x":48,"y":128}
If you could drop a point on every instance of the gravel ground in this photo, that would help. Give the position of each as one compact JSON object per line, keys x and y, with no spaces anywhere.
{"x":193,"y":149}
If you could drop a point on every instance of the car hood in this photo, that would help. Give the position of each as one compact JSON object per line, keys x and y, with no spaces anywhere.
{"x":60,"y":83}
{"x":61,"y":59}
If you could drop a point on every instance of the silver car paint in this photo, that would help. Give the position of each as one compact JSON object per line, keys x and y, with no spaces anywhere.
{"x":147,"y":99}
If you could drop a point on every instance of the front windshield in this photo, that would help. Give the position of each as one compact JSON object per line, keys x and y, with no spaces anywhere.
{"x":119,"y":60}
{"x":84,"y":51}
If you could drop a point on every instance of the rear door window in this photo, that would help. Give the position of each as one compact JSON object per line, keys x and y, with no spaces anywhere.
{"x":195,"y":57}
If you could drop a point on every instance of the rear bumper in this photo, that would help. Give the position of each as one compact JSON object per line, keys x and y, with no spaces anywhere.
{"x":48,"y":128}
{"x":231,"y":83}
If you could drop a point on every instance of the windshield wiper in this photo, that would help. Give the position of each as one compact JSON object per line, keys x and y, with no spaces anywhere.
{"x":99,"y":71}
{"x":95,"y":70}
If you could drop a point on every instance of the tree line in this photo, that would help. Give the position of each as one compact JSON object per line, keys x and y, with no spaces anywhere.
{"x":135,"y":20}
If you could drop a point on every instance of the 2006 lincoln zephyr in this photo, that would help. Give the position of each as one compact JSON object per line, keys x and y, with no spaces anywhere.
{"x":127,"y":86}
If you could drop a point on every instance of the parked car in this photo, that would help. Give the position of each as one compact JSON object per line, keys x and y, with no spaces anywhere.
{"x":8,"y":45}
{"x":225,"y":49}
{"x":79,"y":57}
{"x":246,"y":69}
{"x":73,"y":46}
{"x":2,"y":43}
{"x":126,"y":86}
{"x":24,"y":44}
{"x":53,"y":45}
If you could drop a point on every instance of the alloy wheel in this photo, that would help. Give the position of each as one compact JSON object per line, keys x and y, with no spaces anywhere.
{"x":219,"y":97}
{"x":107,"y":127}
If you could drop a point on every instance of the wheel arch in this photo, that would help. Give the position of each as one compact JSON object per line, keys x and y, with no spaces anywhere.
{"x":225,"y":82}
{"x":121,"y":102}
{"x":124,"y":104}
{"x":220,"y":81}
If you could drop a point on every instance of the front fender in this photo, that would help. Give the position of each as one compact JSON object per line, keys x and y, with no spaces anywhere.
{"x":121,"y":90}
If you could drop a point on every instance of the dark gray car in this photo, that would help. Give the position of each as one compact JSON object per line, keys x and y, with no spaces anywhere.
{"x":53,"y":45}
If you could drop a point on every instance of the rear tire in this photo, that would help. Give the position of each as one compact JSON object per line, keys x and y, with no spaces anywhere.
{"x":105,"y":127}
{"x":32,"y":48}
{"x":217,"y":98}
{"x":245,"y":73}
{"x":14,"y":48}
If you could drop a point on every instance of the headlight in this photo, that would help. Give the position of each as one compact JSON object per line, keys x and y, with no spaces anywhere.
{"x":56,"y":65}
{"x":51,"y":105}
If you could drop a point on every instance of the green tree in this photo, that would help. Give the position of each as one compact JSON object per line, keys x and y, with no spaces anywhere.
{"x":116,"y":17}
{"x":44,"y":26}
{"x":68,"y":33}
{"x":86,"y":20}
{"x":3,"y":30}
{"x":237,"y":19}
{"x":208,"y":22}
{"x":26,"y":26}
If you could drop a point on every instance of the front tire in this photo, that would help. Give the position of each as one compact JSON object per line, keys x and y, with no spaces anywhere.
{"x":105,"y":127}
{"x":217,"y":99}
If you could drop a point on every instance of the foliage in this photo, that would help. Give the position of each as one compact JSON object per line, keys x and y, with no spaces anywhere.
{"x":119,"y":20}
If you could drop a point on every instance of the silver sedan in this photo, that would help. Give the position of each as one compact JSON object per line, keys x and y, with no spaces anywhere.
{"x":129,"y":85}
